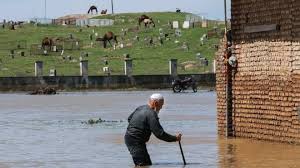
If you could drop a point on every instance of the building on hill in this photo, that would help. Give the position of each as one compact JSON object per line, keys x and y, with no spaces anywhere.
{"x":82,"y":20}
{"x":264,"y":90}
{"x":41,"y":20}
{"x":69,"y":19}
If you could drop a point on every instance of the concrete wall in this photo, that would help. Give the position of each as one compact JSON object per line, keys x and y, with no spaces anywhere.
{"x":98,"y":82}
{"x":266,"y":87}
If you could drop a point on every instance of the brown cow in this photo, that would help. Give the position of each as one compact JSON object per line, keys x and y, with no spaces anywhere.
{"x":47,"y":42}
{"x":107,"y":37}
{"x":148,"y":20}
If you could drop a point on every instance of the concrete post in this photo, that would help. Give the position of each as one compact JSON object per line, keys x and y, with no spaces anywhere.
{"x":173,"y":67}
{"x":214,"y":66}
{"x":84,"y":68}
{"x":128,"y":66}
{"x":204,"y":23}
{"x":38,"y":68}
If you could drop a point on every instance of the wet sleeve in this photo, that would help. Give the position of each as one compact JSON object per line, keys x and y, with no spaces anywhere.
{"x":158,"y":131}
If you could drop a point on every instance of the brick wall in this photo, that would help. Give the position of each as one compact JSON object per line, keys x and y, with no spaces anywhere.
{"x":266,"y":87}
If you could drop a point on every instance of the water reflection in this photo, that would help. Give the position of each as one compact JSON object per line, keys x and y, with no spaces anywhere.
{"x":227,"y":154}
{"x":252,"y":154}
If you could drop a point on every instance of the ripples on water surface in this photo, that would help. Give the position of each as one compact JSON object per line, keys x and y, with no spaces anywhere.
{"x":46,"y":131}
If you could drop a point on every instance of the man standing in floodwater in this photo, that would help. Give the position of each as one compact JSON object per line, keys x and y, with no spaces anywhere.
{"x":142,"y":122}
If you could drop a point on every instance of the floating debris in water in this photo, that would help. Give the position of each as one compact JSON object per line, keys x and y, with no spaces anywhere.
{"x":44,"y":91}
{"x":99,"y":120}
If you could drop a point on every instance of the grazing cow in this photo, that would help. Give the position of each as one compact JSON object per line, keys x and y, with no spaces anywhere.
{"x":107,"y":37}
{"x":147,"y":22}
{"x":142,"y":18}
{"x":47,"y":42}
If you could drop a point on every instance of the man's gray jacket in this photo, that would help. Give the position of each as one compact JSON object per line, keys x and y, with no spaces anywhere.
{"x":142,"y":122}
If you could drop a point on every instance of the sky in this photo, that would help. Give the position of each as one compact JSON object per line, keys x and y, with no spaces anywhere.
{"x":26,"y":9}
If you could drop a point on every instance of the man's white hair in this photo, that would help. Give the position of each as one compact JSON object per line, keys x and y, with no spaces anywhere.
{"x":156,"y":96}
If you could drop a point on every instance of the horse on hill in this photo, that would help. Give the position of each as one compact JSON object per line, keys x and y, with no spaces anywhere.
{"x":107,"y":37}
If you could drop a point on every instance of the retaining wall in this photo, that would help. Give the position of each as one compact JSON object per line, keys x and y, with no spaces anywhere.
{"x":99,"y":82}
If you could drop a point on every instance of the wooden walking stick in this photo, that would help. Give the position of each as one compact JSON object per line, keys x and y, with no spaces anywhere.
{"x":182,"y":153}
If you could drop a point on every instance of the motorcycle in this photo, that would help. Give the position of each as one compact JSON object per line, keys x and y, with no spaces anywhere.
{"x":180,"y":85}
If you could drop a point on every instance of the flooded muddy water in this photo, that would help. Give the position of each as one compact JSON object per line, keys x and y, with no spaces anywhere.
{"x":47,"y":131}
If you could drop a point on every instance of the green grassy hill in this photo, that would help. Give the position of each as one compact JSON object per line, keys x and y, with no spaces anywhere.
{"x":147,"y":59}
